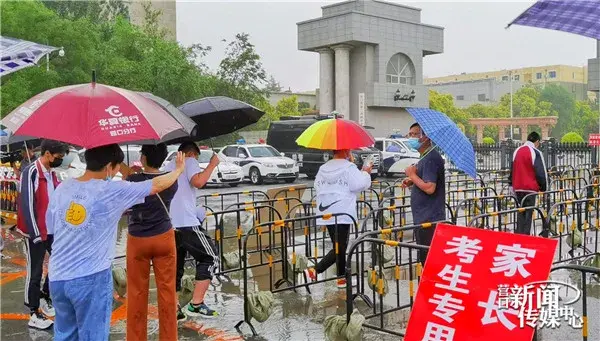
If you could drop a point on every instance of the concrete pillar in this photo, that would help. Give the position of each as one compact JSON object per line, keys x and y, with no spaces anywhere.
{"x":524,"y":132}
{"x":501,"y":133}
{"x":545,"y":133}
{"x":479,"y":133}
{"x":326,"y":75}
{"x":342,"y":79}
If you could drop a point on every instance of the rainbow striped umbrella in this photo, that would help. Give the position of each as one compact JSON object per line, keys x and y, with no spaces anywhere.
{"x":335,"y":134}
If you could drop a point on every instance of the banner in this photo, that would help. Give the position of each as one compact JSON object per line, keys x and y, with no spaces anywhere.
{"x":468,"y":272}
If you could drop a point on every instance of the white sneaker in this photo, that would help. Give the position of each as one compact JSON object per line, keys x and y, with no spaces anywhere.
{"x":47,"y":308}
{"x":39,"y":321}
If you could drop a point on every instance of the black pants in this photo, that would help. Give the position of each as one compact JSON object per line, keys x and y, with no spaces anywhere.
{"x":343,"y":235}
{"x":199,"y":245}
{"x":35,"y":254}
{"x":524,"y":219}
{"x":423,"y":236}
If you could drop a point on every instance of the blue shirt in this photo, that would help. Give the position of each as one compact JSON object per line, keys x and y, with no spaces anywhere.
{"x":84,"y":217}
{"x":428,"y":208}
{"x":183,"y":206}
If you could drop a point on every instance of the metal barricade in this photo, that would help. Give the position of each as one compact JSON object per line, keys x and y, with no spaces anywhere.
{"x":506,"y":221}
{"x":455,"y":197}
{"x":576,"y":183}
{"x":453,"y":185}
{"x":219,"y":201}
{"x":469,"y":208}
{"x":273,"y":259}
{"x":584,"y":271}
{"x":294,"y":192}
{"x":576,"y":225}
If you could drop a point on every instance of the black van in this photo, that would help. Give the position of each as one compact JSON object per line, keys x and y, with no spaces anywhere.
{"x":283,"y":134}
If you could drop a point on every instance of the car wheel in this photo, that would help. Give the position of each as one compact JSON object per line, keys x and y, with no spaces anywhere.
{"x":255,"y":176}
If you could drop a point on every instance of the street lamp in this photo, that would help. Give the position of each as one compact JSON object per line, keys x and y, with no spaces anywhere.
{"x":61,"y":53}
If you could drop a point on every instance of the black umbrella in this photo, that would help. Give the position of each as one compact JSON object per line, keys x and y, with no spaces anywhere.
{"x":220,"y":115}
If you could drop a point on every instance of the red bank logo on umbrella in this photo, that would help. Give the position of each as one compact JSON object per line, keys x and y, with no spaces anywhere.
{"x":119,"y":124}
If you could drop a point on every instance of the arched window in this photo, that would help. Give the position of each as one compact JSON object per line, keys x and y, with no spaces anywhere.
{"x":400,"y":70}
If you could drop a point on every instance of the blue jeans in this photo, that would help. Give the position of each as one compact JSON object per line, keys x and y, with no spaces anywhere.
{"x":83,"y":307}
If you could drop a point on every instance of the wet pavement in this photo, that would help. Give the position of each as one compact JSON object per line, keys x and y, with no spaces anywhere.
{"x":296,"y":316}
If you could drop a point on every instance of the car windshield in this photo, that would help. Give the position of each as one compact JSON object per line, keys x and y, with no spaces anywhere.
{"x":263,"y":151}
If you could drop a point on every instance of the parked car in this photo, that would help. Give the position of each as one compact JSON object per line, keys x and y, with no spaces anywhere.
{"x":226,"y":173}
{"x":283,"y":134}
{"x":261,"y":162}
{"x":397,"y":156}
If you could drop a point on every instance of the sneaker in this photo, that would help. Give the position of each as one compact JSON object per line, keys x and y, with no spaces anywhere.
{"x":341,"y":283}
{"x":181,"y":316}
{"x":46,"y":307}
{"x":310,"y":274}
{"x":200,"y":310}
{"x":39,"y":321}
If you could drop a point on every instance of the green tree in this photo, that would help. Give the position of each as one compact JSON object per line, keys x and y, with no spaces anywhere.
{"x":585,"y":119}
{"x":444,"y":103}
{"x":287,"y":106}
{"x":563,"y":103}
{"x":527,"y":103}
{"x":572,"y":137}
{"x":273,"y":85}
{"x":488,"y":140}
{"x":241,"y":66}
{"x":95,"y":10}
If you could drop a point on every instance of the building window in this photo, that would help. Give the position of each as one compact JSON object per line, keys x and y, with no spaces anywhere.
{"x":460,"y":98}
{"x":517,"y":77}
{"x":400,"y":70}
{"x":504,"y":78}
{"x":538,"y":75}
{"x":481,"y":97}
{"x":573,"y":75}
{"x":552,"y":74}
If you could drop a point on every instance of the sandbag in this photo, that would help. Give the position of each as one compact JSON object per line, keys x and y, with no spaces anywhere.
{"x":231,"y":260}
{"x":375,"y":279}
{"x":260,"y":305}
{"x":389,"y":253}
{"x":188,"y":283}
{"x":120,"y":280}
{"x":336,"y":328}
{"x":575,"y":238}
{"x":301,"y":265}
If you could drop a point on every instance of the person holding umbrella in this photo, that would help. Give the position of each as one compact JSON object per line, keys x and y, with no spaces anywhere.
{"x":337,"y":184}
{"x":84,"y":215}
{"x":428,"y":193}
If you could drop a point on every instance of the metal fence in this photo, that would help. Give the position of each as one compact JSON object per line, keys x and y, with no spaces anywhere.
{"x":491,"y":157}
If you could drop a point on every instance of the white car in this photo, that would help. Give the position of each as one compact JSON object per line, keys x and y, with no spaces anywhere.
{"x":77,"y":166}
{"x":397,"y":156}
{"x":226,"y":172}
{"x":261,"y":162}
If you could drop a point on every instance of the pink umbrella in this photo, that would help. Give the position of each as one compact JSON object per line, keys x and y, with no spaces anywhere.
{"x":92,"y":115}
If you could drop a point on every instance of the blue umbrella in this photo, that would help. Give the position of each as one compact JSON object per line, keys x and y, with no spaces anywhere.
{"x":3,"y":133}
{"x":448,"y":137}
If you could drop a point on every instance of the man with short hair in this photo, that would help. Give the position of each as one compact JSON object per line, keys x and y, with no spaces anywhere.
{"x":428,"y":193}
{"x":189,"y":235}
{"x":528,"y":175}
{"x":28,"y":154}
{"x":38,"y":182}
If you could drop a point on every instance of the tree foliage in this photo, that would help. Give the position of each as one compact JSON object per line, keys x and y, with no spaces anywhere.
{"x":241,"y":66}
{"x":572,"y":137}
{"x":95,"y":10}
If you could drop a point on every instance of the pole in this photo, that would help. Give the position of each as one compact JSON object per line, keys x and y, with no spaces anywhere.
{"x":598,"y":93}
{"x":47,"y":62}
{"x":511,"y":103}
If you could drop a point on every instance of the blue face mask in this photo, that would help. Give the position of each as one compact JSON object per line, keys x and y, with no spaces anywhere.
{"x":414,"y":143}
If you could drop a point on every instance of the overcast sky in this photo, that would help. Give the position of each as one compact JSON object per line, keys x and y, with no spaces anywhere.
{"x":475,"y":38}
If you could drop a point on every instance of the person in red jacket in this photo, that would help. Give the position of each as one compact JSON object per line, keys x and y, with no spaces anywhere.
{"x":528,"y":175}
{"x":38,"y":181}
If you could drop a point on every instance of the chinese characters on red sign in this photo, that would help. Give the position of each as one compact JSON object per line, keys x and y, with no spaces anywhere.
{"x":457,"y":298}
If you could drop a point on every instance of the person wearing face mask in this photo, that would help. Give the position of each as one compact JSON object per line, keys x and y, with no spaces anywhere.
{"x":28,"y":155}
{"x":428,"y":192}
{"x":337,"y":185}
{"x":84,"y":214}
{"x":528,"y":175}
{"x":38,"y":182}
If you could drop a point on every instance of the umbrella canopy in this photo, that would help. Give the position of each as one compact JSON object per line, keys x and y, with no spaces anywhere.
{"x":18,"y":54}
{"x":448,"y":137}
{"x":221,"y":115}
{"x":335,"y":134}
{"x":186,"y":122}
{"x":92,"y":115}
{"x":580,"y":17}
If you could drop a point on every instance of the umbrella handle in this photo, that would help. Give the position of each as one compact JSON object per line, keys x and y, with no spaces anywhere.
{"x":212,"y":147}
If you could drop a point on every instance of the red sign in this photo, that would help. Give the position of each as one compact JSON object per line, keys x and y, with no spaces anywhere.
{"x":594,"y":140}
{"x":457,"y":298}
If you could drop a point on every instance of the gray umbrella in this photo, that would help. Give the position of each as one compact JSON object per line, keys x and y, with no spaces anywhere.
{"x":187,"y":123}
